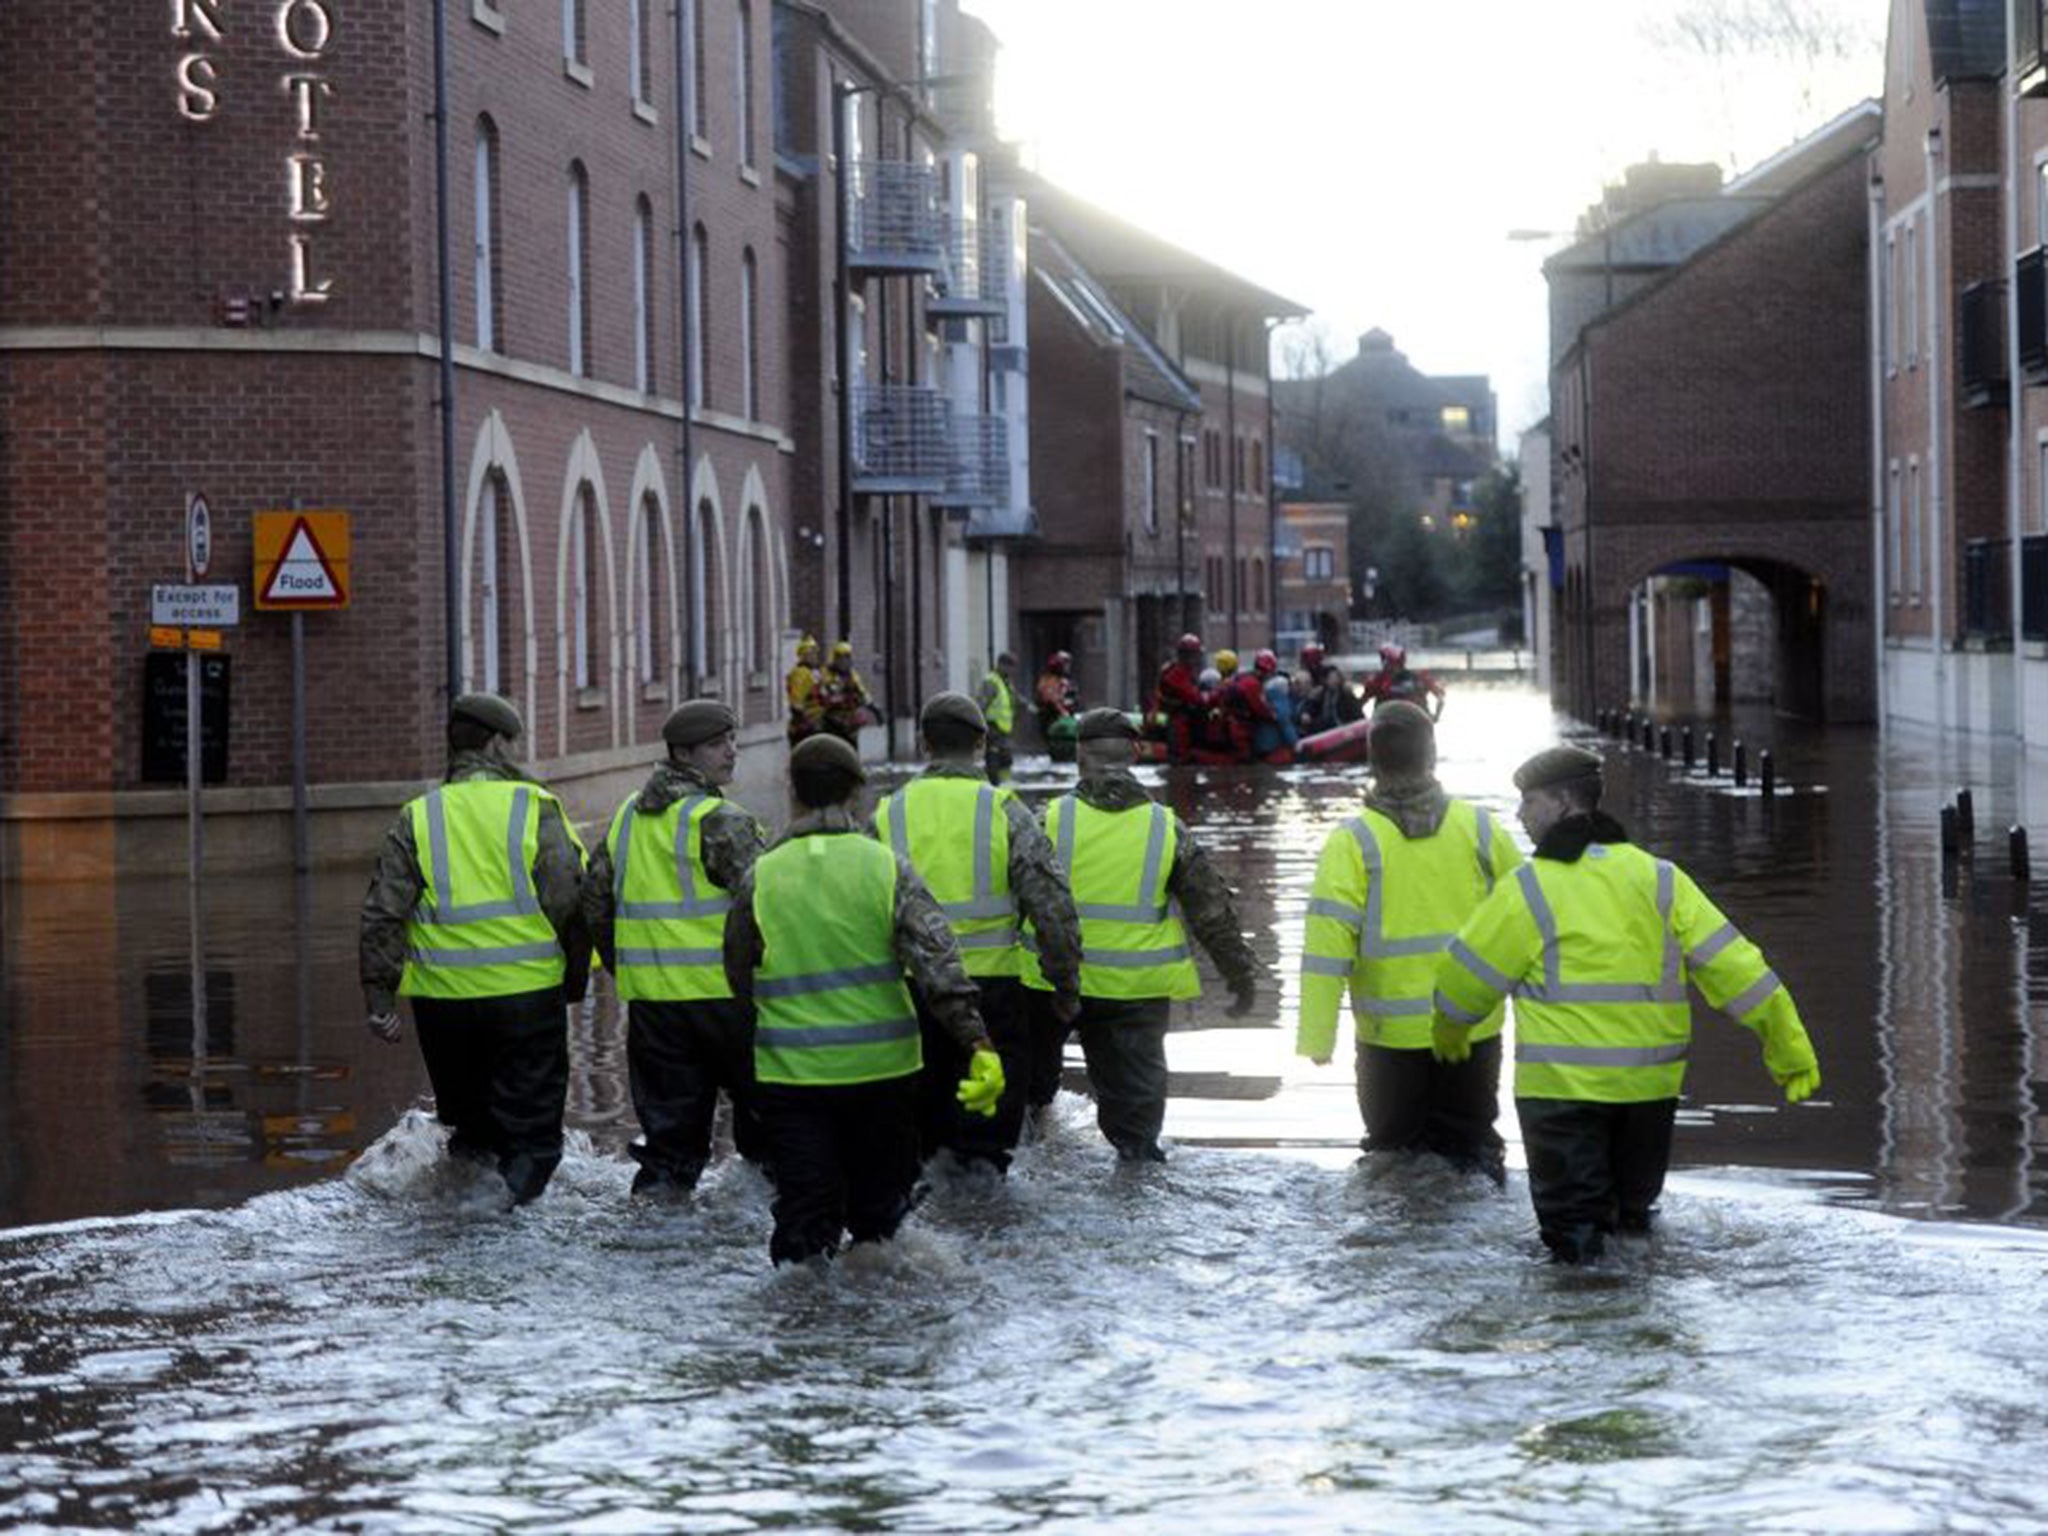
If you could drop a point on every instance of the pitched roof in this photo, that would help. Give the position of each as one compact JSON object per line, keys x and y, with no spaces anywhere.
{"x":1148,"y":373}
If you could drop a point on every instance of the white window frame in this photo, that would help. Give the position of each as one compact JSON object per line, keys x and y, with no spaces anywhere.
{"x":636,"y":50}
{"x":743,"y":80}
{"x":643,"y":311}
{"x":579,"y":253}
{"x":750,"y":348}
{"x":700,"y":258}
{"x":485,"y":242}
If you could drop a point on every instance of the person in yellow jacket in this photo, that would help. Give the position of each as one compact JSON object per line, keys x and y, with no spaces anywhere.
{"x":472,"y":912}
{"x":824,"y":931}
{"x":655,"y":899}
{"x":800,"y":688}
{"x":1393,"y":886}
{"x":998,"y":703}
{"x":1597,"y":939}
{"x":985,"y":860}
{"x":1128,"y":861}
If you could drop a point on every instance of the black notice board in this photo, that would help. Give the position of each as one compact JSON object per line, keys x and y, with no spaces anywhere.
{"x":163,"y":717}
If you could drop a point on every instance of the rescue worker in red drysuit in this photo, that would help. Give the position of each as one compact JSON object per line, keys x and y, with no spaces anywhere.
{"x":1181,"y":698}
{"x":1243,"y":704}
{"x":1397,"y":680}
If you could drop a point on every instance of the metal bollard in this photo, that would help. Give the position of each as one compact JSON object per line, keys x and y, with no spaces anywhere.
{"x":1685,"y":740}
{"x":1966,"y":817}
{"x":1948,"y":832}
{"x":1713,"y":757}
{"x":2016,"y":851}
{"x":1741,"y":765}
{"x":1767,"y":772}
{"x":1664,"y":743}
{"x":1649,"y":734}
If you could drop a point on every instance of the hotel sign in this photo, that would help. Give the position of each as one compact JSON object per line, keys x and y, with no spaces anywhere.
{"x":302,"y":32}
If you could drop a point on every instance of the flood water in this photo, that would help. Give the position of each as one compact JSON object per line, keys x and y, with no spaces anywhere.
{"x":240,"y":1290}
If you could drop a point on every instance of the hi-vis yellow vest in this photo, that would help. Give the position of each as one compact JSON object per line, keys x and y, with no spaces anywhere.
{"x":1384,"y":909}
{"x":830,"y":1006}
{"x":478,"y":929}
{"x":669,"y":917}
{"x":1118,"y":864}
{"x":1002,"y":704}
{"x":956,"y":836}
{"x":1598,"y":953}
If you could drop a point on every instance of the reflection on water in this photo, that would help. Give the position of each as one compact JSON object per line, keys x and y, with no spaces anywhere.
{"x":1258,"y":1335}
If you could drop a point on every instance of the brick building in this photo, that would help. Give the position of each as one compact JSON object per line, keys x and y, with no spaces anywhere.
{"x":219,"y":231}
{"x":1714,"y":421}
{"x":1315,"y":574}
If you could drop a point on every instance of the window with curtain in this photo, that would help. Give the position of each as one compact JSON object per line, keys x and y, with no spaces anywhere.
{"x":704,"y":592}
{"x":700,"y":260}
{"x":743,"y":101}
{"x":650,"y":608}
{"x":488,"y":331}
{"x":750,"y":343}
{"x":643,"y":298}
{"x":583,"y":590}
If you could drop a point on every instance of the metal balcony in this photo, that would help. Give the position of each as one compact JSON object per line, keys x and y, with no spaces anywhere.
{"x":2030,"y":313}
{"x":1987,"y":593}
{"x":978,"y":463}
{"x":896,"y":224}
{"x":901,"y":441}
{"x":977,"y":279}
{"x":1980,"y":346}
{"x":2030,"y":47}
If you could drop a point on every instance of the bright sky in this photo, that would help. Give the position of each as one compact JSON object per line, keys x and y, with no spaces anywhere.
{"x":1366,"y":158}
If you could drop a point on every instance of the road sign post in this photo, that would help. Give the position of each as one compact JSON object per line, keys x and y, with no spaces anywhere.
{"x":302,"y":562}
{"x":198,"y":559}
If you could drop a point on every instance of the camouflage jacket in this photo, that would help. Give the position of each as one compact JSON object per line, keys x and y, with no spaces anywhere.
{"x":1205,"y":901}
{"x":397,"y":883}
{"x":1037,"y":884}
{"x":923,"y":942}
{"x":733,"y":839}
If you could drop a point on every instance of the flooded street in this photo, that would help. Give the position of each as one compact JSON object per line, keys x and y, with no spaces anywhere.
{"x":240,"y":1289}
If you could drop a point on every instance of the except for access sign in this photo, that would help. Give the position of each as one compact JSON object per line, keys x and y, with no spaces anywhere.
{"x":302,"y":560}
{"x":204,"y":607}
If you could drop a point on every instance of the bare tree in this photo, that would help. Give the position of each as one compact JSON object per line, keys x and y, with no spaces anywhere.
{"x":1805,"y":39}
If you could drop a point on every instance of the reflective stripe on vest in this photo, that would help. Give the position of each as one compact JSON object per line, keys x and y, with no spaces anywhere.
{"x":1612,"y":1039}
{"x":829,"y":1000}
{"x":1134,"y":947}
{"x":1393,"y":976}
{"x":669,"y":918}
{"x":478,"y":929}
{"x":966,"y":864}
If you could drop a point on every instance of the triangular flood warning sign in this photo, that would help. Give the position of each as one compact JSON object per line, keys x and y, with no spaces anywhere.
{"x":302,"y":574}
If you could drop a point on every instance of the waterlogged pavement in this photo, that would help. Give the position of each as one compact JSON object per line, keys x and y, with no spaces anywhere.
{"x":240,"y":1289}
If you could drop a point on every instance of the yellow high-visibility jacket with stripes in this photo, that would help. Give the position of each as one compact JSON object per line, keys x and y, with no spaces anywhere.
{"x":1384,"y":909}
{"x":1597,"y":953}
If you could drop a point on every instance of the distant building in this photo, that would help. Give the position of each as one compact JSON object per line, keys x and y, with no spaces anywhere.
{"x":1315,"y":575}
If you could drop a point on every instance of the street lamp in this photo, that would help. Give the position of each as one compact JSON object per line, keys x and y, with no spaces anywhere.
{"x":1606,"y":252}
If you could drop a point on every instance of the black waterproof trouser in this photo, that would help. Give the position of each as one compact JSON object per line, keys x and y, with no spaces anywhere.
{"x":500,"y":1070}
{"x":1411,"y":1102}
{"x":1048,"y":1048}
{"x":1594,"y":1169}
{"x":943,"y":1123}
{"x":845,"y":1160}
{"x":678,"y":1056}
{"x":1125,"y":1043}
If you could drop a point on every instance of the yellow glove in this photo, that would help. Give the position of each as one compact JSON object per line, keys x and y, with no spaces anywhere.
{"x":980,"y":1090}
{"x":1800,"y":1086}
{"x":1450,"y":1042}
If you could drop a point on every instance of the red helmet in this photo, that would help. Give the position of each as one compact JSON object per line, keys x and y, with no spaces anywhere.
{"x":1059,"y":661}
{"x":1189,"y":643}
{"x":1393,"y":655}
{"x":1265,"y":662}
{"x":1312,"y":655}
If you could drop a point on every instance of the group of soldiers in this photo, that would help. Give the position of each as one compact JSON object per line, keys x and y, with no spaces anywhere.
{"x":869,"y":992}
{"x":832,"y":698}
{"x":875,"y":990}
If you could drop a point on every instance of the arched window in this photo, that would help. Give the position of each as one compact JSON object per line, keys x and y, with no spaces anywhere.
{"x":1258,"y":464}
{"x":704,"y":592}
{"x":584,"y":616}
{"x":750,"y":346}
{"x":489,"y":334}
{"x":700,"y":261}
{"x":572,"y":32}
{"x":700,"y":106}
{"x":636,"y":47}
{"x":487,"y":625}
{"x":650,"y":605}
{"x":760,"y":612}
{"x":643,"y":299}
{"x":579,"y":270}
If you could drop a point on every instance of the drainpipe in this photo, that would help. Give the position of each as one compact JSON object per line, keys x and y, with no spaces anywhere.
{"x":1232,"y":457}
{"x":1937,"y":523}
{"x":1180,"y":523}
{"x":1272,"y":498}
{"x":451,"y":544}
{"x":2014,"y":422}
{"x":693,"y":656}
{"x":1880,"y":542}
{"x":843,"y":101}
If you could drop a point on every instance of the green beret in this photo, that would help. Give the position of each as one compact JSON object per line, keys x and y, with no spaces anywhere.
{"x":825,"y":755}
{"x":489,"y":711}
{"x":1401,"y":738}
{"x":952,"y":709}
{"x":1107,"y":725}
{"x":1557,"y":765}
{"x":696,"y":721}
